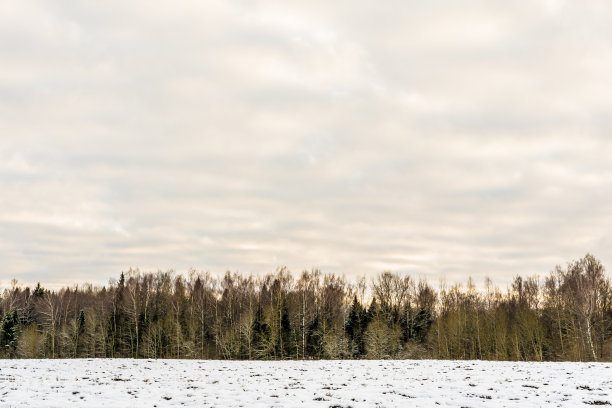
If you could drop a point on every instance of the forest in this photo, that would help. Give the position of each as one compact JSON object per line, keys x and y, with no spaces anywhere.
{"x":566,"y":315}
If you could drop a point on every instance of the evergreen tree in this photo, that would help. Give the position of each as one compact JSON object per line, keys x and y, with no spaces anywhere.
{"x":421,"y":324}
{"x":10,"y":330}
{"x":314,"y":338}
{"x":373,"y":309}
{"x":261,"y":334}
{"x":81,"y":323}
{"x":285,"y":331}
{"x":355,"y":327}
{"x":39,"y":291}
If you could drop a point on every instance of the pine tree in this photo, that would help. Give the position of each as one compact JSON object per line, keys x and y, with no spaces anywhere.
{"x":260,"y":333}
{"x":355,"y":327}
{"x":373,"y":309}
{"x":10,"y":330}
{"x":39,"y":291}
{"x":285,"y":330}
{"x":116,"y":319}
{"x":81,"y":324}
{"x":314,"y":338}
{"x":421,"y":324}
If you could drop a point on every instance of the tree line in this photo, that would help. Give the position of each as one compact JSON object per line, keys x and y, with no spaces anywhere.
{"x":565,"y":316}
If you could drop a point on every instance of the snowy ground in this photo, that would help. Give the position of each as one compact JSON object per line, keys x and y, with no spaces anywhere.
{"x":163,"y":383}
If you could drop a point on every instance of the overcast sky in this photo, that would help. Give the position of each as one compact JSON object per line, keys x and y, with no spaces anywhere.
{"x":444,"y":139}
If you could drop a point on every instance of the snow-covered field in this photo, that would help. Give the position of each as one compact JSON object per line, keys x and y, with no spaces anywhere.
{"x":162,"y":383}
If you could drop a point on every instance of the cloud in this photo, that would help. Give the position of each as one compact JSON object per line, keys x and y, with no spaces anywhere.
{"x":441,"y":139}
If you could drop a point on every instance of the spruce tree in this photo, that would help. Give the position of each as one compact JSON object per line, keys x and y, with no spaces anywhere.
{"x":10,"y":330}
{"x":355,"y":326}
{"x":260,"y":332}
{"x":285,"y":328}
{"x":39,"y":291}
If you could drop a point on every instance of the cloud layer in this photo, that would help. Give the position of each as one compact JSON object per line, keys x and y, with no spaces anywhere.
{"x":443,"y":139}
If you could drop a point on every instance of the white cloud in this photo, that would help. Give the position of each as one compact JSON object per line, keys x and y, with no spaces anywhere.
{"x":443,"y":139}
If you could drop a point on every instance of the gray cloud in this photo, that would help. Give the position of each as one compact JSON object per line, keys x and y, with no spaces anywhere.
{"x":444,"y":139}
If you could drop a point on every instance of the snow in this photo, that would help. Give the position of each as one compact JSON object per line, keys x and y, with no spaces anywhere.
{"x":389,"y":383}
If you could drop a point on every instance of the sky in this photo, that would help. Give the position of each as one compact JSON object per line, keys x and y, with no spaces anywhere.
{"x":442,"y":139}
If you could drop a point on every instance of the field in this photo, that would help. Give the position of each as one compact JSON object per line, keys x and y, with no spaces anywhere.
{"x":164,"y":383}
